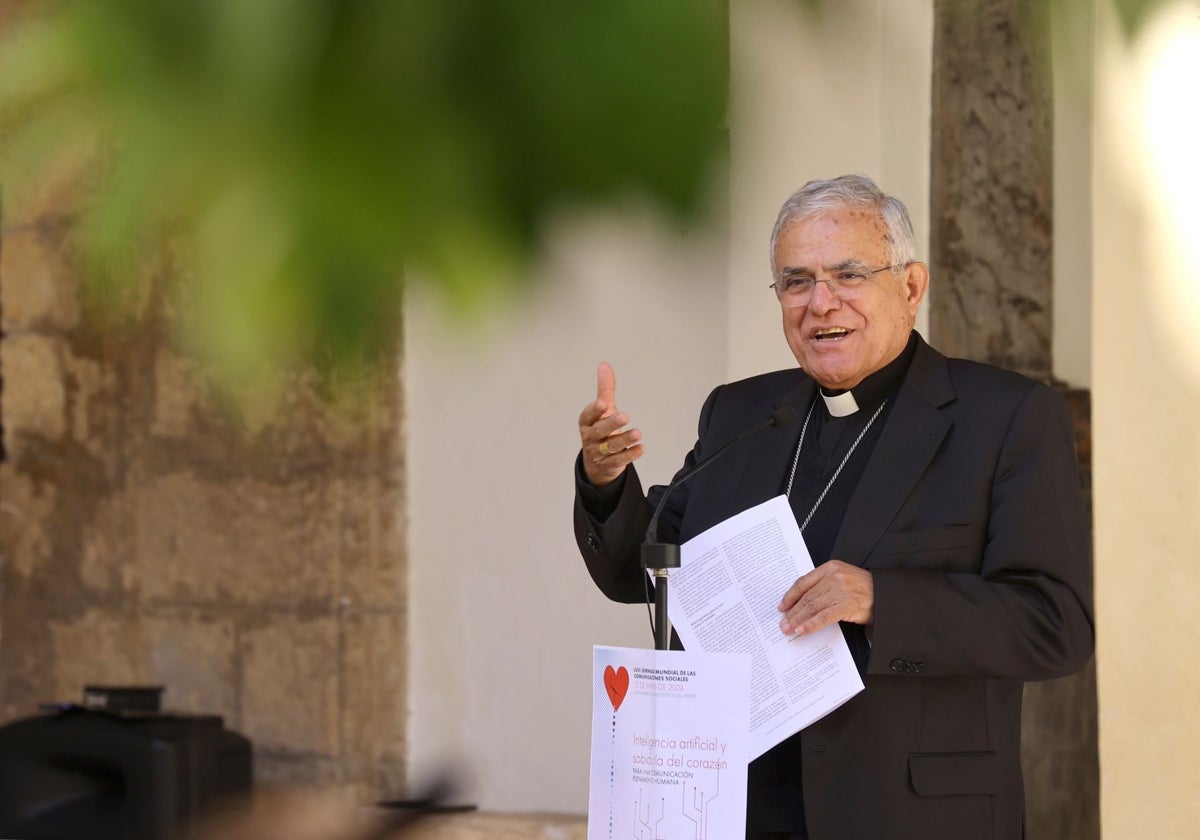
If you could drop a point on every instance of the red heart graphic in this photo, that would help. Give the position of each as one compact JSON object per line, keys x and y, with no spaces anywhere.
{"x":616,"y":683}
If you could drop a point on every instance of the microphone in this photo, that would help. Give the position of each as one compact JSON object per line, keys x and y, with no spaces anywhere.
{"x":781,"y":417}
{"x":659,"y":557}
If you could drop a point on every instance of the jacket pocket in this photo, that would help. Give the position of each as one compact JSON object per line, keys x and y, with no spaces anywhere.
{"x":949,"y":547}
{"x":954,"y":774}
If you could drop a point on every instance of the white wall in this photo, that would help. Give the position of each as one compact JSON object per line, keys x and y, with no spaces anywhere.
{"x":815,"y":95}
{"x":1146,"y":398}
{"x":503,"y":614}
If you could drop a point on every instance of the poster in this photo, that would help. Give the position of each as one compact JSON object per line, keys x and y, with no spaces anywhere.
{"x":670,"y":741}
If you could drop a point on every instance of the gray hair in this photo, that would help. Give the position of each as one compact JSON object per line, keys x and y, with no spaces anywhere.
{"x":817,"y":198}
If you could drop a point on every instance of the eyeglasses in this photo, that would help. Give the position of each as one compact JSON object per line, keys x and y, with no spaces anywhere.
{"x":797,"y":289}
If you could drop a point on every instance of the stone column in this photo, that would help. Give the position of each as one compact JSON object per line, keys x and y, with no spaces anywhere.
{"x":991,"y":184}
{"x":990,"y":300}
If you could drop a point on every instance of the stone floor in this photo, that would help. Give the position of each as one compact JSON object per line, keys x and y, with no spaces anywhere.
{"x":294,"y":815}
{"x":479,"y":826}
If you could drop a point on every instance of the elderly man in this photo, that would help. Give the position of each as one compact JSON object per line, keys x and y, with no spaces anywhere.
{"x":939,"y":499}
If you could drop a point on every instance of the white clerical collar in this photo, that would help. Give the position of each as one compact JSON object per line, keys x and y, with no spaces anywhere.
{"x":840,"y":405}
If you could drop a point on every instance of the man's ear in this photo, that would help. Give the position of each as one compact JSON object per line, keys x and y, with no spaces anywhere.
{"x":916,"y":283}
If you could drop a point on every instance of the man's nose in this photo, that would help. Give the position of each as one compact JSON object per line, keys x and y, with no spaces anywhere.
{"x":823,"y":300}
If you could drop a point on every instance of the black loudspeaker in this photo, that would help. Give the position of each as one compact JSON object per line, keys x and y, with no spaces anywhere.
{"x":83,"y":774}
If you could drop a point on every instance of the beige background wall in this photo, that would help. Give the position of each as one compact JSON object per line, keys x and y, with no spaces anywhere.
{"x":503,"y":613}
{"x":817,"y":95}
{"x":1071,"y":44}
{"x":1146,"y":370}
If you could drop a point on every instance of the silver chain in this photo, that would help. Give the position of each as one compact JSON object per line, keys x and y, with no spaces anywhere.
{"x":837,"y":472}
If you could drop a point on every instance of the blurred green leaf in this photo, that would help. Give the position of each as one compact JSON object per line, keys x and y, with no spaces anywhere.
{"x":308,"y":152}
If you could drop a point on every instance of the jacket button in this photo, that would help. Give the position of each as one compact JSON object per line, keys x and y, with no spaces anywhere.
{"x":592,"y":542}
{"x":903,"y":666}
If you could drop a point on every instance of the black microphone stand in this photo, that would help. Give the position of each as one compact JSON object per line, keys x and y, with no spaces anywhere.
{"x":659,"y":558}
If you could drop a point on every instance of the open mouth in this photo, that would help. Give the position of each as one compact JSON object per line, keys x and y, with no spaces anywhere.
{"x":830,"y":333}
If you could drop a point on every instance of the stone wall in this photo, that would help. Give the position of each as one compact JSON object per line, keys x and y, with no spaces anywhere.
{"x":249,"y":557}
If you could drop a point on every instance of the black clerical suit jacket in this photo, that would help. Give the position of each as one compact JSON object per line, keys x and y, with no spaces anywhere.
{"x":969,"y":517}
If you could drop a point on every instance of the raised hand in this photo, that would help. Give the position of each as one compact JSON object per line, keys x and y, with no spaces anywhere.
{"x":608,"y":447}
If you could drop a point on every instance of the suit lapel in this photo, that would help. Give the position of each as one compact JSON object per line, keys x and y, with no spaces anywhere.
{"x":915,"y":430}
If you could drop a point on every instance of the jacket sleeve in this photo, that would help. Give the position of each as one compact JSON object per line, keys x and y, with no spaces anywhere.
{"x":1027,"y":613}
{"x":611,"y":546}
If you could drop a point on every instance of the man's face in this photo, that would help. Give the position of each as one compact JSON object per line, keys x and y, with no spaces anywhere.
{"x":840,"y":340}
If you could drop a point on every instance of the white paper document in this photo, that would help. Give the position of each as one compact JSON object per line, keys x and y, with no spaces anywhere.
{"x":669,"y":752}
{"x":724,"y":599}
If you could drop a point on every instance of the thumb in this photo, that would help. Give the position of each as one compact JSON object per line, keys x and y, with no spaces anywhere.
{"x":606,"y":387}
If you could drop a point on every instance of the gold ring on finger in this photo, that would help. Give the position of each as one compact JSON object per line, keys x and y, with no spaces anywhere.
{"x":603,"y":447}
